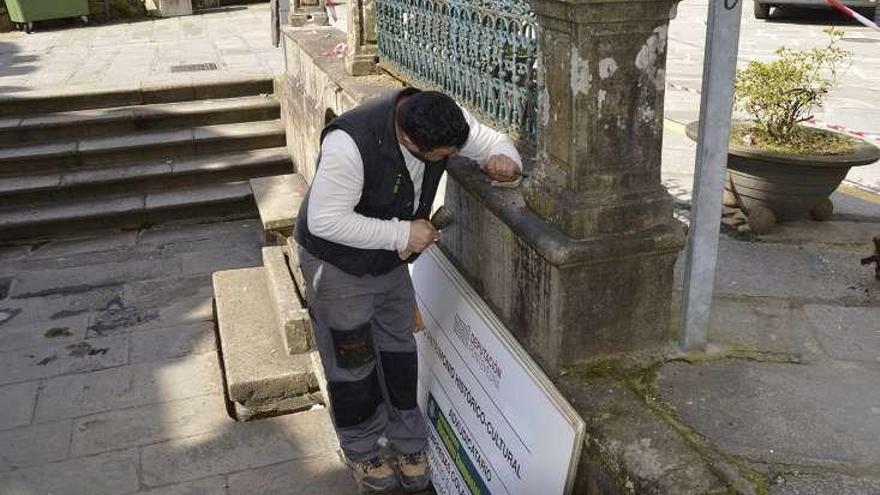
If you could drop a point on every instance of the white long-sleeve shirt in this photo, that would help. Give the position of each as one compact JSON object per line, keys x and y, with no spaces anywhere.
{"x":339,"y":182}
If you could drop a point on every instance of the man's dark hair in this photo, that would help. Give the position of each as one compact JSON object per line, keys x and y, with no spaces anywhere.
{"x":433,"y":120}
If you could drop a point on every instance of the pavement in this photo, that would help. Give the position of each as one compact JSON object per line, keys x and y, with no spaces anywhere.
{"x":110,"y":381}
{"x":236,"y":39}
{"x":787,"y":389}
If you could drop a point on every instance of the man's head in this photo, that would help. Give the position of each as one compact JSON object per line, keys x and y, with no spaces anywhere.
{"x":432,"y":126}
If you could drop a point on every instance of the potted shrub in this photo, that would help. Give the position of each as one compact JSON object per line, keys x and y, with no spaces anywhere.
{"x":778,"y":168}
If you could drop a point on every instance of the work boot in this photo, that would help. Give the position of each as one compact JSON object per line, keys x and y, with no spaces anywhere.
{"x":374,"y":475}
{"x":413,"y":471}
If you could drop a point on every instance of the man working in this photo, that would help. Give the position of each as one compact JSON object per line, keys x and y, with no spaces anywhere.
{"x":377,"y":176}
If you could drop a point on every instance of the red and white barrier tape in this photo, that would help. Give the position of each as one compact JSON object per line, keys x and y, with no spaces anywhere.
{"x":813,"y":121}
{"x":837,"y":4}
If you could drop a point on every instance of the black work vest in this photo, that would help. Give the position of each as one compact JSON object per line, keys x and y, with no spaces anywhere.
{"x":388,"y":189}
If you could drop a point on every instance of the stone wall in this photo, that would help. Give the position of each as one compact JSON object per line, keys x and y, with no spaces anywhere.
{"x":316,"y":88}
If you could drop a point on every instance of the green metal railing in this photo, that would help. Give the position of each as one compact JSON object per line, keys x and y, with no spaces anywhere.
{"x":480,"y":52}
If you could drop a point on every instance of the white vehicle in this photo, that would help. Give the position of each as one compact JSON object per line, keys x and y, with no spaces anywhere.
{"x":762,"y":7}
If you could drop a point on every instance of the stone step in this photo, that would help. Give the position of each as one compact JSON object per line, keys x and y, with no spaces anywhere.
{"x":73,"y":98}
{"x":130,"y":148}
{"x":80,"y":124}
{"x":224,"y":200}
{"x":278,"y":199}
{"x":287,"y":306}
{"x":292,"y":251}
{"x":261,"y":377}
{"x":50,"y":188}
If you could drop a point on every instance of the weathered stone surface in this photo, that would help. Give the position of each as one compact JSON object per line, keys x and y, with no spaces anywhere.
{"x":207,"y":486}
{"x":247,"y":446}
{"x":847,"y":333}
{"x":36,"y":444}
{"x":326,"y":474}
{"x":108,"y":474}
{"x":212,"y":261}
{"x":643,"y":452}
{"x":122,"y":316}
{"x":810,"y":272}
{"x":825,"y":485}
{"x":274,"y":407}
{"x":296,"y":270}
{"x":72,"y":396}
{"x":85,"y":246}
{"x":780,"y":413}
{"x":293,"y":320}
{"x":50,"y":332}
{"x":45,"y":361}
{"x":772,"y":325}
{"x":255,"y":360}
{"x":278,"y":198}
{"x":854,"y":235}
{"x":174,"y":342}
{"x":149,"y":424}
{"x":17,"y":404}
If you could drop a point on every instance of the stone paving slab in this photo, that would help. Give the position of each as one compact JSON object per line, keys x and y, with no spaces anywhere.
{"x":71,"y":396}
{"x":174,"y":342}
{"x":38,"y":444}
{"x":780,"y":413}
{"x":244,"y":446}
{"x":17,"y":404}
{"x":208,"y":486}
{"x":62,"y":330}
{"x":847,"y":333}
{"x":768,"y":325}
{"x":46,"y":361}
{"x":107,"y":474}
{"x":825,"y":485}
{"x":325,"y":474}
{"x":148,"y":424}
{"x":810,"y":272}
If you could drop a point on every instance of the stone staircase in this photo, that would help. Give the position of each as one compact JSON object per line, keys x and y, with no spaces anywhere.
{"x":73,"y":161}
{"x":266,"y":338}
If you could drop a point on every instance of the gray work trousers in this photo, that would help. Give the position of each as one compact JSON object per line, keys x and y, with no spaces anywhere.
{"x":364,"y":334}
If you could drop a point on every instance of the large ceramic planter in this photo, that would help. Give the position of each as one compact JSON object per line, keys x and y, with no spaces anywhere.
{"x":771,"y":187}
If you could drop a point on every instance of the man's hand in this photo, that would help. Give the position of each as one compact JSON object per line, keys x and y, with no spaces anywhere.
{"x":501,"y":168}
{"x":421,"y":235}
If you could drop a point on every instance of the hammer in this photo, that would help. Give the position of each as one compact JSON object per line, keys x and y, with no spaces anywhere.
{"x":440,"y":220}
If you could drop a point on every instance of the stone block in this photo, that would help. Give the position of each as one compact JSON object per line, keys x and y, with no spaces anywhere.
{"x":255,"y":359}
{"x":125,"y":316}
{"x":292,"y":318}
{"x":17,"y":404}
{"x":78,"y":279}
{"x":567,"y":312}
{"x":246,"y":446}
{"x":326,"y":474}
{"x":45,"y":361}
{"x":38,"y":444}
{"x":149,"y":424}
{"x":779,"y":413}
{"x":274,"y":407}
{"x":107,"y":474}
{"x":71,"y":396}
{"x":278,"y":198}
{"x":296,"y":270}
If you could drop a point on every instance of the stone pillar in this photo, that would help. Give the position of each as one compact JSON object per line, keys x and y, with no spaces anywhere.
{"x":362,"y":54}
{"x":307,"y":13}
{"x":580,"y":263}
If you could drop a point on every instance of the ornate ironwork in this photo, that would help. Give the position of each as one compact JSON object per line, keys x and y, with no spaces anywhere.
{"x":480,"y":52}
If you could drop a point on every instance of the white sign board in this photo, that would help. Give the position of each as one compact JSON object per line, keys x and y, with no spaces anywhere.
{"x":496,"y":423}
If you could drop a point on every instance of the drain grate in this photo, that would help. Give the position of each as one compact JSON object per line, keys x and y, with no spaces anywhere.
{"x":193,"y":67}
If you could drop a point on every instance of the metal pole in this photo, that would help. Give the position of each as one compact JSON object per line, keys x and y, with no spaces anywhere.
{"x":716,"y":107}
